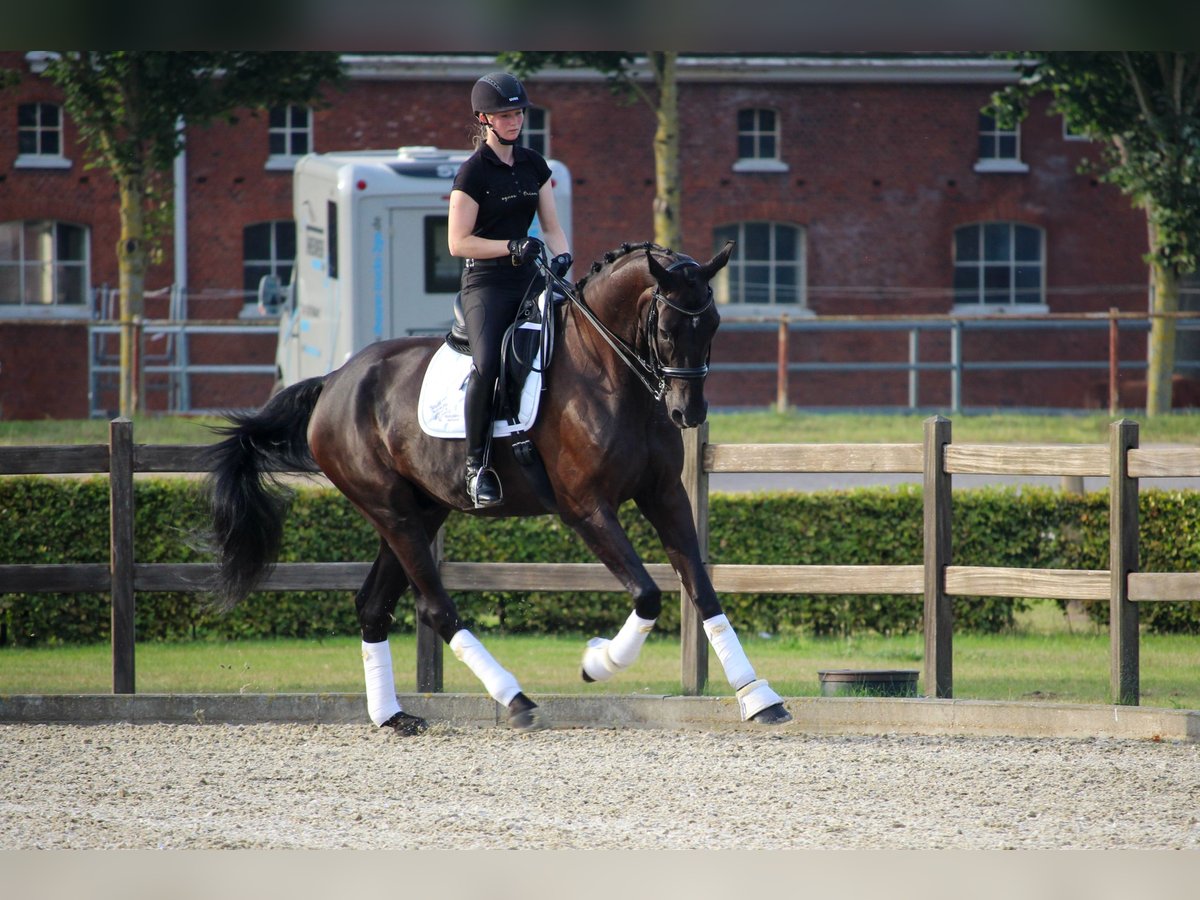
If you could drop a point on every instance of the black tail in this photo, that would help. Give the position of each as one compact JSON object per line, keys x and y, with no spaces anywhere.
{"x":247,"y":502}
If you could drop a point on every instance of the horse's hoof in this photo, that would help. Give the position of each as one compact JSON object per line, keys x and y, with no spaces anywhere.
{"x":524,"y":715}
{"x":586,"y":677}
{"x":406,"y":725}
{"x":772,"y":715}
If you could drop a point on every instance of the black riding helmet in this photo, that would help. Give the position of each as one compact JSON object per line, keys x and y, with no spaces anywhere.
{"x":498,"y":92}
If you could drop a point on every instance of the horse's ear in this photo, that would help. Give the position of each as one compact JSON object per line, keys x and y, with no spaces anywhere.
{"x":718,"y":262}
{"x":656,"y":270}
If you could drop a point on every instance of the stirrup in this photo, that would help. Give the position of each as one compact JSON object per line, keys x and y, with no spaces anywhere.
{"x":485,"y":477}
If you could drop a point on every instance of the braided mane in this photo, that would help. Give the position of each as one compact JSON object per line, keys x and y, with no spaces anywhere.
{"x":620,"y":252}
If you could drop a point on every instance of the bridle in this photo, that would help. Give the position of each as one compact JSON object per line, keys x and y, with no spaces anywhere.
{"x":652,"y":372}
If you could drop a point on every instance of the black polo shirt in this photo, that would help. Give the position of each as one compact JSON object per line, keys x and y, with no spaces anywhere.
{"x":507,"y":195}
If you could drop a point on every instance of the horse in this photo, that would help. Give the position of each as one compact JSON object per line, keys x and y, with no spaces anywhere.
{"x":631,"y":356}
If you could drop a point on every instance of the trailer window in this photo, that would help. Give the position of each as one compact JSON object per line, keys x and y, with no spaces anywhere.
{"x":442,"y":271}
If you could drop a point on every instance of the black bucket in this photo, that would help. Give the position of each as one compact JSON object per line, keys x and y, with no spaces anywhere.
{"x":868,"y":682}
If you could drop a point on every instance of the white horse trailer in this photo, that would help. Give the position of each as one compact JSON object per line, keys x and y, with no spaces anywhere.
{"x":372,"y":260}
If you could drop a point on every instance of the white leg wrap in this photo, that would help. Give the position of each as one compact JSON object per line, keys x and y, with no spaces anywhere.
{"x":755,"y":697}
{"x":604,"y":658}
{"x":729,"y":650}
{"x":381,"y":685}
{"x":497,"y":680}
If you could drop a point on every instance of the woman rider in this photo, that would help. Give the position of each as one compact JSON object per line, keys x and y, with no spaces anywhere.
{"x":496,"y":193}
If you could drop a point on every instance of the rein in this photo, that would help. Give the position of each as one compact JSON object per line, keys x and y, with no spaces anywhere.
{"x":652,"y":373}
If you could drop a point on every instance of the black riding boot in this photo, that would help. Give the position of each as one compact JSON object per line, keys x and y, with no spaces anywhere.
{"x":483,"y":486}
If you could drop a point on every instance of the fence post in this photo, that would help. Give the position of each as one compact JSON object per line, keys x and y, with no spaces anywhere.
{"x":1123,"y":559}
{"x":781,"y":373}
{"x":120,"y":552}
{"x":956,"y":366}
{"x":693,"y":663}
{"x":939,"y":612}
{"x":1114,"y":361}
{"x":429,"y":643}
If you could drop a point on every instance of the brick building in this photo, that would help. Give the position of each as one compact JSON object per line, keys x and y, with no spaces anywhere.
{"x":854,"y":186}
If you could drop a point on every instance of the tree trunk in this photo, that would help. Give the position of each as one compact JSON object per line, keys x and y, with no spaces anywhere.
{"x":1160,"y":348}
{"x":131,"y":256}
{"x":667,"y":231}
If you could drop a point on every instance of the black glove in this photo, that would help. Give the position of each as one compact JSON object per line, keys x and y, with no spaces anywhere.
{"x":524,"y":250}
{"x":560,"y":264}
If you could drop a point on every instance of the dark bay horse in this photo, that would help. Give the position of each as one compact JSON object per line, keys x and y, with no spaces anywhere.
{"x":628,"y":373}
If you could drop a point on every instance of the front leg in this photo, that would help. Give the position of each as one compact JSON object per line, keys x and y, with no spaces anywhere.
{"x":604,"y":536}
{"x":670,"y":513}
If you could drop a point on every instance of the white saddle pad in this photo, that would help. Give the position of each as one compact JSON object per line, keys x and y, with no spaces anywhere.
{"x":443,"y":394}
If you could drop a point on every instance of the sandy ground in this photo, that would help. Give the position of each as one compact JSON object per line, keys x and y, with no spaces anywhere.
{"x":354,"y":786}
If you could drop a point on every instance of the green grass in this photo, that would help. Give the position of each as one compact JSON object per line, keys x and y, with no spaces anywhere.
{"x":1042,"y":661}
{"x":757,"y":427}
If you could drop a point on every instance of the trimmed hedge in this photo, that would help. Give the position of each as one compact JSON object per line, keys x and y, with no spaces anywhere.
{"x":66,"y":520}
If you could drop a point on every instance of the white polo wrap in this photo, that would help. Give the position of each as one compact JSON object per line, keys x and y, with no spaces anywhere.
{"x":604,"y":658}
{"x":729,"y":650}
{"x":497,"y":680}
{"x":381,"y":685}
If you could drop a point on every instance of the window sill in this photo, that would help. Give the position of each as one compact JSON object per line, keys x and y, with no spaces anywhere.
{"x":761,"y":165}
{"x":281,"y":163}
{"x":1016,"y":310}
{"x":33,"y":161}
{"x":1001,"y":166}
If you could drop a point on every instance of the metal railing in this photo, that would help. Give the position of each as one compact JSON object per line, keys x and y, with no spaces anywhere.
{"x":955,"y":364}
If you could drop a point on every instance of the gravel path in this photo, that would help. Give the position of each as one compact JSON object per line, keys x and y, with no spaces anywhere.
{"x":327,"y":786}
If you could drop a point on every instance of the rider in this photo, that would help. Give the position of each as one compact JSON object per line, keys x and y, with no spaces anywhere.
{"x":496,"y":193}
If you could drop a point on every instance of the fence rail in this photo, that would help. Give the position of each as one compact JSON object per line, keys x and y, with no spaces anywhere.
{"x":937,"y":578}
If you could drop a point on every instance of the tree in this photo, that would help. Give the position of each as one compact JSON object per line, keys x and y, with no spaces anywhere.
{"x":128,"y":105}
{"x":1146,"y":107}
{"x":618,"y":66}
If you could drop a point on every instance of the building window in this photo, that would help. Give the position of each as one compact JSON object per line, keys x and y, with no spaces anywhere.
{"x":767,"y":266}
{"x":999,"y":264}
{"x":758,"y":141}
{"x":999,"y":148}
{"x":43,"y":264}
{"x":536,"y":133}
{"x":1071,"y":133}
{"x":40,"y":136}
{"x":290,"y":135}
{"x":268,"y":248}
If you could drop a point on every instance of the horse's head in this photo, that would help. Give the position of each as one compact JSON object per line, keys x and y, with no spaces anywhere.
{"x":681,"y":323}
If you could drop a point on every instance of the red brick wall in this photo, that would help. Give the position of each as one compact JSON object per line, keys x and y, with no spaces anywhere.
{"x":879,"y":175}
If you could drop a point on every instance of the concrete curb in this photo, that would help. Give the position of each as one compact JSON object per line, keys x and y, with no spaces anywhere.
{"x":812,"y":715}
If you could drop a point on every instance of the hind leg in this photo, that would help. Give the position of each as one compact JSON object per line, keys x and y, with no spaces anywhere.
{"x":376,"y":604}
{"x":408,"y":540}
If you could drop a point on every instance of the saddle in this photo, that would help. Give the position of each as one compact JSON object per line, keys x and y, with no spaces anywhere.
{"x":518,"y":352}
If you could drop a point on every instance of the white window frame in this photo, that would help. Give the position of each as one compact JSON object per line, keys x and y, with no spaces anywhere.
{"x":541,"y":131}
{"x":39,"y":160}
{"x":274,"y":262}
{"x":731,"y":282}
{"x":990,"y":307}
{"x":287,"y":161}
{"x":993,"y":132}
{"x":757,"y":162}
{"x":50,"y":269}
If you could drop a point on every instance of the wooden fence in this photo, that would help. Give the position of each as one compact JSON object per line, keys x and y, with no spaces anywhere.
{"x":937,"y":459}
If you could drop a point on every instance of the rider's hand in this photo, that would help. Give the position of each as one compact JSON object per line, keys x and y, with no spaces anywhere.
{"x":524,"y":250}
{"x":560,"y":264}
